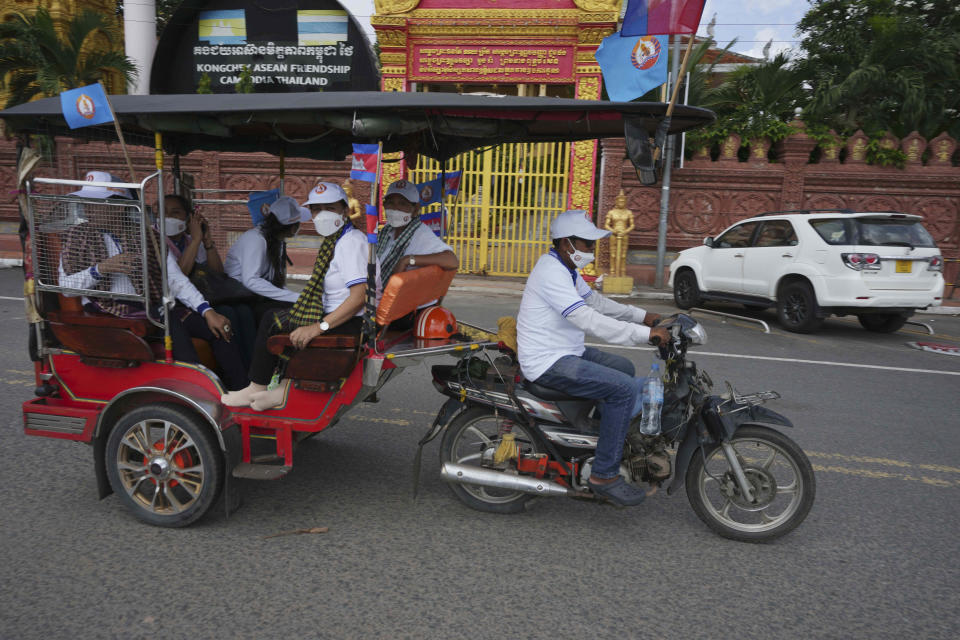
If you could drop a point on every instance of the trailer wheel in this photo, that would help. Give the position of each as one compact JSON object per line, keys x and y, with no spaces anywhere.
{"x":164,"y":464}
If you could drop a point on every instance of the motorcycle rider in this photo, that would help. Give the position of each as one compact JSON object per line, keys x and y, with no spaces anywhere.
{"x":557,"y":308}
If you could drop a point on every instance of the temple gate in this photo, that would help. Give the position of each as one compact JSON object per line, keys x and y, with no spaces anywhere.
{"x":499,"y":223}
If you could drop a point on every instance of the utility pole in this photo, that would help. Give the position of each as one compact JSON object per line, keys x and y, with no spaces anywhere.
{"x":140,"y":41}
{"x":665,"y":188}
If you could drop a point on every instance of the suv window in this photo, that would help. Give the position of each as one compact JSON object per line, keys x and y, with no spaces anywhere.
{"x":893,"y":233}
{"x":776,"y":233}
{"x":738,"y":236}
{"x":832,"y":230}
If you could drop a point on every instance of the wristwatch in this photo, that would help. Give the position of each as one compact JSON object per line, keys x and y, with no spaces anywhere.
{"x":413,"y":261}
{"x":324,"y":326}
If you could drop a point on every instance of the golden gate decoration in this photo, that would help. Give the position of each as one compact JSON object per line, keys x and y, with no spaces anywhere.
{"x":499,"y":225}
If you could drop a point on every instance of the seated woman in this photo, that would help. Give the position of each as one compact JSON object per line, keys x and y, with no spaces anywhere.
{"x":332,"y":301}
{"x":258,"y":258}
{"x":104,"y":254}
{"x":190,"y":241}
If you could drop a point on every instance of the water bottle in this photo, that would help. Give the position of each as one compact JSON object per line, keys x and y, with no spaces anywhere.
{"x":652,"y":400}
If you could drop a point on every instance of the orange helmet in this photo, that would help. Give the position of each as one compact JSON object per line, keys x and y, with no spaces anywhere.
{"x":436,"y":322}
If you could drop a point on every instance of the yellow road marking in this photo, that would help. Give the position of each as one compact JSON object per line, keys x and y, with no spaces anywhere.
{"x":874,"y":474}
{"x":883,"y":461}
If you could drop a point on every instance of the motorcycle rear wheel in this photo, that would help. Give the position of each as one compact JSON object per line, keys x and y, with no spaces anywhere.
{"x":782,"y":480}
{"x":471,"y":433}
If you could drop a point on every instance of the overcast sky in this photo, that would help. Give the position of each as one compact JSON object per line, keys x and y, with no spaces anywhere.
{"x":753,"y":22}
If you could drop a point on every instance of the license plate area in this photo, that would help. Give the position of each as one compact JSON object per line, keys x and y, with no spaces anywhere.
{"x":904,"y":266}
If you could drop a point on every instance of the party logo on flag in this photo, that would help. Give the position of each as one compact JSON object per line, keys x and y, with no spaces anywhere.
{"x":85,"y":106}
{"x":364,"y":164}
{"x":426,"y":193}
{"x":222,"y":27}
{"x":318,"y":27}
{"x":645,"y":53}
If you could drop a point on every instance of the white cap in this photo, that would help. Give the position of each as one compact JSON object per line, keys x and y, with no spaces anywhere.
{"x":102,"y":192}
{"x":325,"y":193}
{"x":286,"y":210}
{"x":575,"y":223}
{"x":406,"y":189}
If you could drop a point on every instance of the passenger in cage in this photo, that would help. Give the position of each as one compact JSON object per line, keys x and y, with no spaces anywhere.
{"x":332,"y":301}
{"x":104,"y":253}
{"x":191,"y":242}
{"x":406,"y":243}
{"x":258,"y":258}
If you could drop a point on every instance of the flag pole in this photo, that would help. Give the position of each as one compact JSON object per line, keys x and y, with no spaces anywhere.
{"x":116,"y":125}
{"x":676,"y":86}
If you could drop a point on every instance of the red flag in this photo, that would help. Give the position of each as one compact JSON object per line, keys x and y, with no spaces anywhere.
{"x":661,"y":17}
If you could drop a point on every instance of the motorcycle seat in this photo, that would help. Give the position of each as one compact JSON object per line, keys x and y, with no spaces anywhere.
{"x":546,"y":393}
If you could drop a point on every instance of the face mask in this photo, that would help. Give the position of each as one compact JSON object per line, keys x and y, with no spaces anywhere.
{"x":174,"y":226}
{"x":397,"y":218}
{"x":327,"y":223}
{"x":580,"y":259}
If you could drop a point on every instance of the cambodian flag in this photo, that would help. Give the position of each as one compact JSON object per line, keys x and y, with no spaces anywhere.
{"x":662,"y":17}
{"x":364,"y":162}
{"x":373,"y":221}
{"x":451,"y":183}
{"x":434,"y":220}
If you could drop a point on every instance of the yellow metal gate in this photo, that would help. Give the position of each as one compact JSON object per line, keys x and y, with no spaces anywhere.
{"x":500,"y":223}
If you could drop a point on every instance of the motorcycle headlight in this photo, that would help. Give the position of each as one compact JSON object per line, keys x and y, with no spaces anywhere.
{"x":696,"y":334}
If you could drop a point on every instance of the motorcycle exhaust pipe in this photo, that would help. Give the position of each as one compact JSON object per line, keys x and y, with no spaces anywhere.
{"x":463,"y":474}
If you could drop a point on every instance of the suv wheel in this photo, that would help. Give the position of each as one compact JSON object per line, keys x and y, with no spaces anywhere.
{"x":881,"y":322}
{"x":686,"y":293}
{"x":797,"y":308}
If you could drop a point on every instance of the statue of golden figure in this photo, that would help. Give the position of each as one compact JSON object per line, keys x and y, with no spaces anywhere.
{"x":619,"y":220}
{"x":355,"y":210}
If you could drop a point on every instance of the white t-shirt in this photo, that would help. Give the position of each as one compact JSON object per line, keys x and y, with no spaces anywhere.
{"x":348,"y":267}
{"x":247,"y":262}
{"x":544,"y":335}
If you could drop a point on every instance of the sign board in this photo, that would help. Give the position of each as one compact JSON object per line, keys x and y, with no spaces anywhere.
{"x":305,"y":45}
{"x":533,"y":61}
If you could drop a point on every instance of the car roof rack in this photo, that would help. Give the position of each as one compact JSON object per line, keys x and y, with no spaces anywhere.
{"x":804,"y":211}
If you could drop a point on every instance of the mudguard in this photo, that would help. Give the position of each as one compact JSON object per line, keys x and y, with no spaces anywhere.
{"x":717,"y":424}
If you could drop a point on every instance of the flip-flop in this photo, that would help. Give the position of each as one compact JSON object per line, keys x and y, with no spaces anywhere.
{"x":619,"y":492}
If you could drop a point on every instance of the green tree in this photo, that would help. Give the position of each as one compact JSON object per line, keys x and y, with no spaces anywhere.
{"x":883,"y":65}
{"x":245,"y":84}
{"x":36,"y":61}
{"x":204,"y":85}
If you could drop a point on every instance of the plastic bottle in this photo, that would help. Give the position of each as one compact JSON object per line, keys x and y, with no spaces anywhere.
{"x":652,"y":397}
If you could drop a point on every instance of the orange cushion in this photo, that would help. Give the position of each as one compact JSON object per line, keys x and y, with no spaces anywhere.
{"x":408,"y":290}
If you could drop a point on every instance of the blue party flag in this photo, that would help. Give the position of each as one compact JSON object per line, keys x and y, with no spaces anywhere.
{"x":85,"y":106}
{"x":259,"y":204}
{"x":632,"y":66}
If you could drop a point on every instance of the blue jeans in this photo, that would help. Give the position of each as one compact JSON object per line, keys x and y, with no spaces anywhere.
{"x":608,"y":379}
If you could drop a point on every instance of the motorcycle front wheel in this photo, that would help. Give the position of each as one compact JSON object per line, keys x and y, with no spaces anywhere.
{"x":779,"y":472}
{"x":471,"y":439}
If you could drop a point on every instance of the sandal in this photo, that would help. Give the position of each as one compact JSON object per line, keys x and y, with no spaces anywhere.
{"x":619,"y":492}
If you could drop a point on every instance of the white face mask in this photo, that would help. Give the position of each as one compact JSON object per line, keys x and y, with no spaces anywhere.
{"x":580,"y":259}
{"x":174,"y":226}
{"x":327,"y":223}
{"x":397,"y":218}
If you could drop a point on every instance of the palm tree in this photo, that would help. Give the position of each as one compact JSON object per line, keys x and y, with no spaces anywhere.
{"x":35,"y":60}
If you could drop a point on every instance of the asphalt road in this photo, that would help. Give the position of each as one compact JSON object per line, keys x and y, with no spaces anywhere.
{"x":878,"y":556}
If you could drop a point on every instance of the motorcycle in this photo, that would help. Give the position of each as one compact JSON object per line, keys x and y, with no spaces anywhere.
{"x":513,"y":440}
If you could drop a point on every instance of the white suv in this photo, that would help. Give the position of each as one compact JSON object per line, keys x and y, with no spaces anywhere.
{"x":880,"y":267}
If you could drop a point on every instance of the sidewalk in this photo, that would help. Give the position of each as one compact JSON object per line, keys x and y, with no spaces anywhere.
{"x":514,"y":287}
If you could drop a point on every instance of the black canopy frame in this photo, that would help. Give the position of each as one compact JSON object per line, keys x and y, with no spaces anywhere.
{"x":323,"y":126}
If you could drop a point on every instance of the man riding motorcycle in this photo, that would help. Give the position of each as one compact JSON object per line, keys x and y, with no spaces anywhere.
{"x":556,"y":310}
